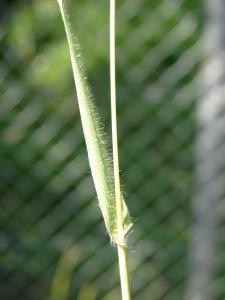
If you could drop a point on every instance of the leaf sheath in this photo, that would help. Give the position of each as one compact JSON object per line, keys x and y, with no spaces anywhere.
{"x":100,"y":158}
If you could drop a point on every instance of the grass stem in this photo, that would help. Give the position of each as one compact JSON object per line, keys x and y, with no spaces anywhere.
{"x":105,"y":174}
{"x":122,"y":250}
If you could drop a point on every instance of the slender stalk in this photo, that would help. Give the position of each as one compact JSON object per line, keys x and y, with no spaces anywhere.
{"x":105,"y":173}
{"x":121,"y":246}
{"x":100,"y":158}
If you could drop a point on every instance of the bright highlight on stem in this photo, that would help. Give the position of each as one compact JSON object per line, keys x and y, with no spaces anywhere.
{"x":122,"y":251}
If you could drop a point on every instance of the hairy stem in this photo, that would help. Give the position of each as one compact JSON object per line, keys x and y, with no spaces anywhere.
{"x":100,"y":158}
{"x":105,"y":173}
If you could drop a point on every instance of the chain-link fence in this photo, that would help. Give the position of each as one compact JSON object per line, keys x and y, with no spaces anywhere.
{"x":53,"y":243}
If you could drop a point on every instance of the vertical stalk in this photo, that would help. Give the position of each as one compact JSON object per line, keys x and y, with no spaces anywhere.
{"x":121,"y":246}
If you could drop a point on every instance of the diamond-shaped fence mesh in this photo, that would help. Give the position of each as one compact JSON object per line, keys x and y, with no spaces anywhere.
{"x":170,"y":70}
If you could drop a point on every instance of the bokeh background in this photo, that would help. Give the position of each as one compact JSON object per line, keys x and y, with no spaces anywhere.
{"x":170,"y":71}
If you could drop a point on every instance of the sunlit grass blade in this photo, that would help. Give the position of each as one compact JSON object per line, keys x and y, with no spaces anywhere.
{"x":100,"y":158}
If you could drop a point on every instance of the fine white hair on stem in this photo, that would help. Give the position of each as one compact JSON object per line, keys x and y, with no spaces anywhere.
{"x":100,"y":157}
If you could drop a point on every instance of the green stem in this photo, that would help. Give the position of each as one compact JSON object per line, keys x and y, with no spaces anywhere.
{"x":122,"y":250}
{"x":115,"y":213}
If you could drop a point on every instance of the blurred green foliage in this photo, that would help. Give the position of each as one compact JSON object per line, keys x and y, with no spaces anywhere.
{"x":48,"y":200}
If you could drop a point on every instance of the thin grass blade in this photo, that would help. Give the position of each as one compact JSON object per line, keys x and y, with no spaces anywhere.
{"x":100,"y":158}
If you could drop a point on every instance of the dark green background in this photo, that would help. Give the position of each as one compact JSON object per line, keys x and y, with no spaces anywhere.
{"x":48,"y":202}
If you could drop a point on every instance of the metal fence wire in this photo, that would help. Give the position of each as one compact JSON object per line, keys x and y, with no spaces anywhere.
{"x":170,"y":70}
